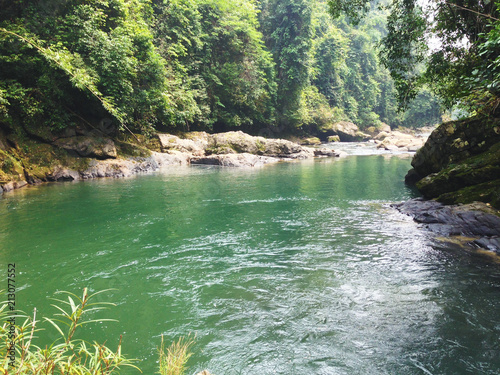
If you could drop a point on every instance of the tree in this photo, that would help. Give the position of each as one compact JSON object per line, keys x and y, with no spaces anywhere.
{"x":288,"y":30}
{"x":459,"y":70}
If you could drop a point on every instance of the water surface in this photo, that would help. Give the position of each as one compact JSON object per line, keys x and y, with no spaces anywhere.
{"x":294,"y":268}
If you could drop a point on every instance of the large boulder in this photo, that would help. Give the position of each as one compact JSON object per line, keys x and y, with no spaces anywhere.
{"x":88,"y":146}
{"x":169,"y":142}
{"x":460,"y":163}
{"x":281,"y":148}
{"x":347,"y":132}
{"x":475,"y":219}
{"x":455,"y":141}
{"x":236,"y":142}
{"x":399,"y":141}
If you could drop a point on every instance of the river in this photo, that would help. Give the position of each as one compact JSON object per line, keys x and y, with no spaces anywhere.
{"x":293,"y":268}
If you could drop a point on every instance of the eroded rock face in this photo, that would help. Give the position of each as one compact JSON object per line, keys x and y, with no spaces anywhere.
{"x":456,"y":141}
{"x":460,"y":163}
{"x":201,"y":144}
{"x":88,"y":146}
{"x":169,"y":142}
{"x":118,"y":167}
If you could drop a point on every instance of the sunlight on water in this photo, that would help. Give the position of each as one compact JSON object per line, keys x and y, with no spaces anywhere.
{"x":295,"y":268}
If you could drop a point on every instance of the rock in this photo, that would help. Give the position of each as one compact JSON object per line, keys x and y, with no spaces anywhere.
{"x":477,"y":220}
{"x":492,"y":244}
{"x":204,"y":372}
{"x":467,"y":180}
{"x":118,"y":167}
{"x":312,"y":141}
{"x":234,"y":160}
{"x":172,"y":158}
{"x":346,"y":131}
{"x":20,"y":184}
{"x":398,"y":141}
{"x":384,"y":128}
{"x":13,"y":185}
{"x":456,"y":141}
{"x":412,"y":177}
{"x":236,"y":142}
{"x":390,"y":147}
{"x":280,"y":148}
{"x":169,"y":142}
{"x":382,"y":135}
{"x":333,"y":138}
{"x":8,"y":186}
{"x":328,"y":152}
{"x":88,"y":146}
{"x":63,"y":174}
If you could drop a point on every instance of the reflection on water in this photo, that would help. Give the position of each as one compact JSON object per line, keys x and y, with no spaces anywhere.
{"x":295,"y":268}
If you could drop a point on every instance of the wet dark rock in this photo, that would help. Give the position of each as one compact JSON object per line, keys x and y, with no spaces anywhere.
{"x":474,"y":220}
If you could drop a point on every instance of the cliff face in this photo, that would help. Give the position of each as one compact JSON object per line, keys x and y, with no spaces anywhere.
{"x":460,"y":162}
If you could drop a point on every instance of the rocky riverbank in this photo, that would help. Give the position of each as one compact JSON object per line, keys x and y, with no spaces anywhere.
{"x":473,"y":225}
{"x":80,"y":153}
{"x":401,"y":140}
{"x":87,"y":155}
{"x":458,"y":173}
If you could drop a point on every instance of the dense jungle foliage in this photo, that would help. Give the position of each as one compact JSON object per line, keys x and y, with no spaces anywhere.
{"x":463,"y":64}
{"x":268,"y":67}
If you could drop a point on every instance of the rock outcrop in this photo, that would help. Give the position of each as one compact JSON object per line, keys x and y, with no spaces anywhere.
{"x":478,"y":222}
{"x":399,"y":141}
{"x":88,"y":146}
{"x":201,"y":145}
{"x":346,"y":131}
{"x":234,"y":160}
{"x":76,"y":156}
{"x":460,"y":163}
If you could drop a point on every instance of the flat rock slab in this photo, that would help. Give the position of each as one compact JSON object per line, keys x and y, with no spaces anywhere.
{"x":476,"y":220}
{"x":234,"y":160}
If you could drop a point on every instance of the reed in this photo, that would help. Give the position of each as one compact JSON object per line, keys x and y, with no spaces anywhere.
{"x":173,"y":360}
{"x":66,"y":355}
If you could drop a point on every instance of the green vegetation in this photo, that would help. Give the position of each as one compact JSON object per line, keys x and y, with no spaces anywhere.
{"x":175,"y":65}
{"x":173,"y":360}
{"x":463,"y":68}
{"x":69,"y":355}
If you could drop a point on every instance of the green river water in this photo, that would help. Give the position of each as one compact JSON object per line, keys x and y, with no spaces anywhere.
{"x":294,"y":268}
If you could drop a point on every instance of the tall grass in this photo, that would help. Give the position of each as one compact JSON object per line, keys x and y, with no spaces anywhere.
{"x":173,"y":360}
{"x":66,"y":355}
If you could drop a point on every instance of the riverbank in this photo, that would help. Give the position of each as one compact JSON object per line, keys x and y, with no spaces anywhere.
{"x":458,"y":173}
{"x":79,"y":154}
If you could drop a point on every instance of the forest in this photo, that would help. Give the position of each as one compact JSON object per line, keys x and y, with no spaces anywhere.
{"x":265,"y":67}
